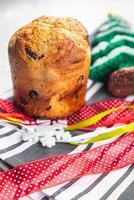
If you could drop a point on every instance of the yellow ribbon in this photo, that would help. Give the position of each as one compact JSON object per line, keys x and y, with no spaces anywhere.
{"x":120,"y":131}
{"x":94,"y":119}
{"x":12,"y":119}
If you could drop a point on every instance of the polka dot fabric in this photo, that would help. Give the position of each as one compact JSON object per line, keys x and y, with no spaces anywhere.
{"x":40,"y":174}
{"x":120,"y":116}
{"x":10,"y":108}
{"x":37,"y":175}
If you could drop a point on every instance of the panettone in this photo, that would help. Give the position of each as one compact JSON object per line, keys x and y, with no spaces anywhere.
{"x":50,"y":59}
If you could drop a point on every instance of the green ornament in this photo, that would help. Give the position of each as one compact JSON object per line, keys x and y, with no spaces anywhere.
{"x":112,"y":48}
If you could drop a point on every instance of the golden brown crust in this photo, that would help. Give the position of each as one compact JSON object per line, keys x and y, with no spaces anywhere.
{"x":50,"y":61}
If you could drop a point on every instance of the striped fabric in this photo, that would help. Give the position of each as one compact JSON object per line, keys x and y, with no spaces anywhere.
{"x":112,"y":48}
{"x":114,"y":185}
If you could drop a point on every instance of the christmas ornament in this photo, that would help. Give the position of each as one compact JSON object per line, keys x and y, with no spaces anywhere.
{"x":112,"y":48}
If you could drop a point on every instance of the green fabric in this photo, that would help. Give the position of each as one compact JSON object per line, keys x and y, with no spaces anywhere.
{"x":110,"y":47}
{"x":110,"y":36}
{"x":115,"y":19}
{"x":101,"y":72}
{"x":123,"y":59}
{"x":115,"y":25}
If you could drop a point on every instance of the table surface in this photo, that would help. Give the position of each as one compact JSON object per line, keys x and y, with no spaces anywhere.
{"x":16,"y":13}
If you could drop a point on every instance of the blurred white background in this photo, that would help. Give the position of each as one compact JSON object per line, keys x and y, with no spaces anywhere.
{"x":16,"y":13}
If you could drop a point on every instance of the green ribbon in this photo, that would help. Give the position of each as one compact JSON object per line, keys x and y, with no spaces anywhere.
{"x":120,"y":131}
{"x":94,"y":119}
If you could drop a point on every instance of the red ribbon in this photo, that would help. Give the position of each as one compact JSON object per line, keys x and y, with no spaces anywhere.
{"x":120,"y":116}
{"x":8,"y":106}
{"x":10,"y":110}
{"x":35,"y":176}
